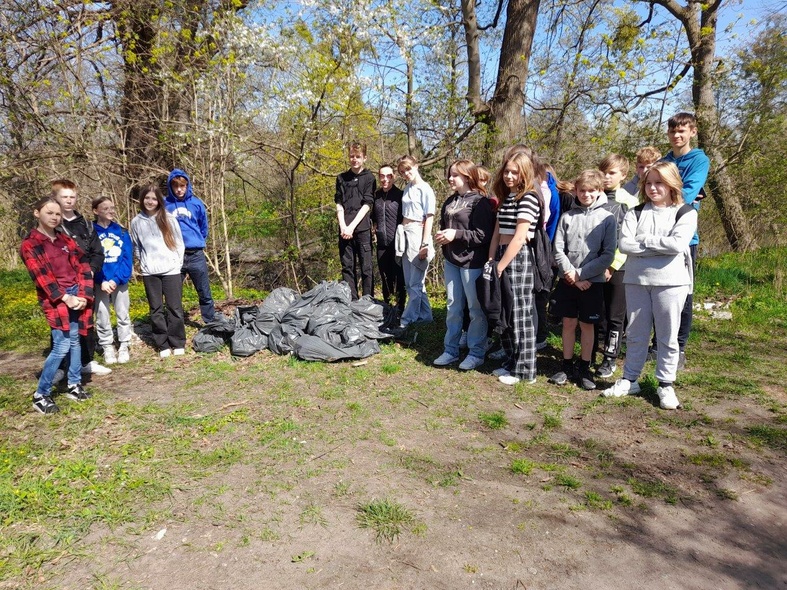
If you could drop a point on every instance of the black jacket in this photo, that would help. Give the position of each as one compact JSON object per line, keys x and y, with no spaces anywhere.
{"x":353,"y":191}
{"x":387,"y":214}
{"x":84,"y":234}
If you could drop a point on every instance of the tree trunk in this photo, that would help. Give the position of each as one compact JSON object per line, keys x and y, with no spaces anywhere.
{"x":700,"y":21}
{"x":505,"y":111}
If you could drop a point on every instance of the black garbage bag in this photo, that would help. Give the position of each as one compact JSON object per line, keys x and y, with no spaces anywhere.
{"x":281,"y":339}
{"x":272,"y":309}
{"x":214,"y":335}
{"x":246,"y":341}
{"x":314,"y":348}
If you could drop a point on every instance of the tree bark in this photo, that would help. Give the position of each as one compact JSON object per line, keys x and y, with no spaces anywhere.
{"x":700,"y":22}
{"x":505,"y":111}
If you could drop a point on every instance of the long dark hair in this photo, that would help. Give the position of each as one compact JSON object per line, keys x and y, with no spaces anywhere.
{"x":160,"y":213}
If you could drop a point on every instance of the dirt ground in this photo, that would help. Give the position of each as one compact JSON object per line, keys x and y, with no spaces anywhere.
{"x":284,"y":516}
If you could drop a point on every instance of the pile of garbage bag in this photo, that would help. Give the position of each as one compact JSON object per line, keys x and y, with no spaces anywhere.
{"x":324,"y":324}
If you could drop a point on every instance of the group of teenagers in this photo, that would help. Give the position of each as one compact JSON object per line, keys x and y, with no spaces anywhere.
{"x":624,"y":256}
{"x":81,"y":268}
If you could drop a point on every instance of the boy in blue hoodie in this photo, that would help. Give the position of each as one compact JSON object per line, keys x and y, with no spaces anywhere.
{"x":111,"y":280}
{"x":693,"y":166}
{"x":192,"y":215}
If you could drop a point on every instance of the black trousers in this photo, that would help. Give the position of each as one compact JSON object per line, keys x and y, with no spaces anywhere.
{"x":392,"y":276}
{"x":609,"y":331}
{"x":358,"y":249}
{"x":169,"y":329}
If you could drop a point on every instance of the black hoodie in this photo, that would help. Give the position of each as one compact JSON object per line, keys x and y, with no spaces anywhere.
{"x":353,"y":191}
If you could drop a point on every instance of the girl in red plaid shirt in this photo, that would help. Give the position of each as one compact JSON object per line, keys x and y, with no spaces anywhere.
{"x":64,"y":285}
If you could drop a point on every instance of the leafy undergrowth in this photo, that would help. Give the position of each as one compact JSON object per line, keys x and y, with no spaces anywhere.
{"x":267,"y":446}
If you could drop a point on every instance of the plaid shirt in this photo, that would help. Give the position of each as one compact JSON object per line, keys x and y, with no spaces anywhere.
{"x":50,"y":297}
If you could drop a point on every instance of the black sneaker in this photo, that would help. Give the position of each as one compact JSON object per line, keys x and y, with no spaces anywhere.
{"x":606,"y":369}
{"x":77,"y":393}
{"x":559,"y":378}
{"x":585,"y":380}
{"x":45,"y":405}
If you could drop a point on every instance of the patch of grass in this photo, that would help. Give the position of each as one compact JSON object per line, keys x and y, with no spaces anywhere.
{"x":494,"y":420}
{"x":567,"y":481}
{"x":726,"y":494}
{"x":312,"y":514}
{"x":522,"y":466}
{"x":769,"y":436}
{"x":388,"y":518}
{"x":654,"y":488}
{"x":552,"y":421}
{"x":596,"y":501}
{"x":621,"y":496}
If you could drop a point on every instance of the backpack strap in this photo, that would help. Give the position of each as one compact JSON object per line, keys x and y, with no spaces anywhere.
{"x":685,"y":208}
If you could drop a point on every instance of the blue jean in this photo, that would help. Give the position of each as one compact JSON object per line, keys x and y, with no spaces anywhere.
{"x":195,"y":266}
{"x":460,"y":291}
{"x":62,"y":344}
{"x":418,"y":308}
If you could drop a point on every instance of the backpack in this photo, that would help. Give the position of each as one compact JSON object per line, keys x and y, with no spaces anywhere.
{"x":541,"y":247}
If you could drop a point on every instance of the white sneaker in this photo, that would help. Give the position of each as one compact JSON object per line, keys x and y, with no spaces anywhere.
{"x":463,"y":339}
{"x":179,"y":351}
{"x":165,"y":353}
{"x":498,"y":355}
{"x":94,"y":368}
{"x":110,"y":357}
{"x":511,"y":380}
{"x":123,"y":356}
{"x":445,"y":359}
{"x":622,"y":387}
{"x":471,"y":362}
{"x":667,"y":398}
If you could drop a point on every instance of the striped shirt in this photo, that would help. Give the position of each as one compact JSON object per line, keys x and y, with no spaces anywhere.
{"x":511,"y":210}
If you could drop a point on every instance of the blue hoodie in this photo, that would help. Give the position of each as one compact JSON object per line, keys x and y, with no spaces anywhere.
{"x":190,"y":213}
{"x":118,"y":259}
{"x":693,"y":168}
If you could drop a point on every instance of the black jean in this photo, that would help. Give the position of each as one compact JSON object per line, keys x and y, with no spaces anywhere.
{"x":609,"y":331}
{"x":169,"y":330}
{"x":392,"y":275}
{"x":687,"y":315}
{"x":357,"y":249}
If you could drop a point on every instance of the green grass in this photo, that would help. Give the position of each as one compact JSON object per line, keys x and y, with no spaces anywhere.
{"x":388,"y":518}
{"x":273,"y":446}
{"x":494,"y":420}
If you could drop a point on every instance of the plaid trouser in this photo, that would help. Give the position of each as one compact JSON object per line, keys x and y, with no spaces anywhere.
{"x":519,"y":339}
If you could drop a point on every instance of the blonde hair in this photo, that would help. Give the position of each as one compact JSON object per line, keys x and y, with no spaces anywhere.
{"x":669,"y":174}
{"x":524,"y":166}
{"x":648,"y":155}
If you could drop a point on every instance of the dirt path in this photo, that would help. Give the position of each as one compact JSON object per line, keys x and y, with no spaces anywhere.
{"x":620,"y":494}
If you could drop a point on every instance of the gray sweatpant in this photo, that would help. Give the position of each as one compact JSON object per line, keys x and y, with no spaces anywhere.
{"x":646,"y":306}
{"x":120,"y":299}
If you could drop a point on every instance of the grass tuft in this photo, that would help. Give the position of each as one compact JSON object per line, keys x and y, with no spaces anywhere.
{"x":386,"y":517}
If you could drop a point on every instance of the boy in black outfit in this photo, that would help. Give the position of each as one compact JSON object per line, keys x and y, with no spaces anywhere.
{"x":386,"y":215}
{"x":81,"y":230}
{"x":354,"y":199}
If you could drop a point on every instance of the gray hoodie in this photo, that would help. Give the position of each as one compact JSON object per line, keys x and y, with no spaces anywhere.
{"x":658,"y":246}
{"x":154,"y":256}
{"x":585,"y":240}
